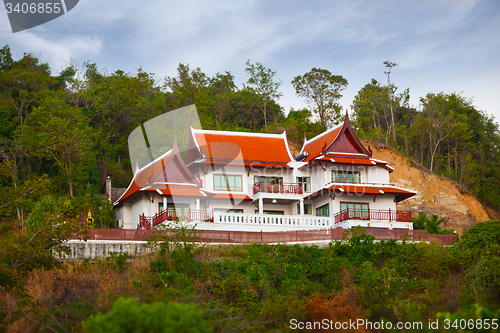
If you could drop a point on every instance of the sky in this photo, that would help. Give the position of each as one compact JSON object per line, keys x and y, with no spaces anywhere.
{"x":439,"y":45}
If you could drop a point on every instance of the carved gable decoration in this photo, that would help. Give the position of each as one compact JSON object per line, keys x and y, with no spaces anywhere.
{"x":347,"y":141}
{"x":345,"y":144}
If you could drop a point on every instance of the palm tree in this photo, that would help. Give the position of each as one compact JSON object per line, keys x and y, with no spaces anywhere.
{"x":420,"y":222}
{"x":433,"y":224}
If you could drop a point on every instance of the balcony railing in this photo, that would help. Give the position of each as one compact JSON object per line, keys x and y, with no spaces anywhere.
{"x":373,"y":215}
{"x":283,"y":188}
{"x":146,"y":222}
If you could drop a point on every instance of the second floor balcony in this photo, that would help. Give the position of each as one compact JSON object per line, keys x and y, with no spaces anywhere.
{"x":280,"y":188}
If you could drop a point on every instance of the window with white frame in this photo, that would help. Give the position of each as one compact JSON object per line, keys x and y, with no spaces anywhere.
{"x":352,"y":177}
{"x":306,"y":183}
{"x":228,"y":183}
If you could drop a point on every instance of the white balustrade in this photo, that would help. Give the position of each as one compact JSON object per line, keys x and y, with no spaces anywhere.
{"x":279,"y":220}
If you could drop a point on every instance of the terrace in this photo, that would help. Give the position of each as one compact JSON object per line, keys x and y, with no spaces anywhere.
{"x":372,"y":218}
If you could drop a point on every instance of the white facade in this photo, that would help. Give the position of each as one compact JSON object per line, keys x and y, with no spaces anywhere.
{"x":338,"y":183}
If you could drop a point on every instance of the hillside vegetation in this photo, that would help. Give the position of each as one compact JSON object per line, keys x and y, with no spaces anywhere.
{"x":262,"y":288}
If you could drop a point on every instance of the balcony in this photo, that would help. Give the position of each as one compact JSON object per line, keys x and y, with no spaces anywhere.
{"x":146,"y":222}
{"x":282,"y":188}
{"x":373,"y":215}
{"x":372,"y":218}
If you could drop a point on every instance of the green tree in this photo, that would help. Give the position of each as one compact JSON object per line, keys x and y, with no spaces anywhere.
{"x":322,"y":91}
{"x":6,"y":60}
{"x":21,"y":251}
{"x":223,"y":89}
{"x":441,"y":122}
{"x":261,"y":80}
{"x":59,"y":131}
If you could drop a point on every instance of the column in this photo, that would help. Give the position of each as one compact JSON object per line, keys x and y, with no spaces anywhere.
{"x":197,"y":204}
{"x":261,"y":206}
{"x":164,"y":203}
{"x":301,"y":205}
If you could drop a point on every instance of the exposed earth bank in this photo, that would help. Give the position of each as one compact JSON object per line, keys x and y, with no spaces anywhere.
{"x":435,"y":194}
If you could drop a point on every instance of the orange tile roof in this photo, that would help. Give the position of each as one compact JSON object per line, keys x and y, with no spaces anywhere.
{"x":363,"y":189}
{"x":315,"y":146}
{"x":247,"y":148}
{"x":171,"y":166}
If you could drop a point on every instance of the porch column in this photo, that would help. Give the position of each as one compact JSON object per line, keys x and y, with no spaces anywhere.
{"x":301,"y":205}
{"x":164,"y":203}
{"x":261,"y":206}
{"x":197,"y":204}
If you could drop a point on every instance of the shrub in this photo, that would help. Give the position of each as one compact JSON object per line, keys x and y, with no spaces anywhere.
{"x":128,"y":315}
{"x":477,"y":241}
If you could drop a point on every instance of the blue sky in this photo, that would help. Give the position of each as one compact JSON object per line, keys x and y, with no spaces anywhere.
{"x":439,"y":45}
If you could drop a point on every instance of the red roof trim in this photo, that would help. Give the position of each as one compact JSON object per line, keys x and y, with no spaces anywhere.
{"x":362,"y":189}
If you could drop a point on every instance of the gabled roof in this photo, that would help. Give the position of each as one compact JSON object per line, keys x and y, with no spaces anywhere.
{"x":363,"y":189}
{"x":340,"y":145}
{"x":238,"y":148}
{"x":167,"y":175}
{"x":340,"y":139}
{"x":315,"y":146}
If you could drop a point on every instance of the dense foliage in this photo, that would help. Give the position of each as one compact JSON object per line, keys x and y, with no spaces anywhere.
{"x":261,"y":288}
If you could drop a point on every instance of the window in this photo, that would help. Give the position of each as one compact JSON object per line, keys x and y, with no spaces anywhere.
{"x":323,"y":210}
{"x":175,"y":211}
{"x":307,"y":209}
{"x":269,"y":184}
{"x":357,"y":210}
{"x":346,"y":177}
{"x":306,"y":181}
{"x":228,"y":183}
{"x":268,"y":180}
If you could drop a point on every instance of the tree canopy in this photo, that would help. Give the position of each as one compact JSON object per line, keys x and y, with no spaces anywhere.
{"x":321,"y":90}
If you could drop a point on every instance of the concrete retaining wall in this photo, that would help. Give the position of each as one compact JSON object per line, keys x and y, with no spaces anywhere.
{"x":94,"y":249}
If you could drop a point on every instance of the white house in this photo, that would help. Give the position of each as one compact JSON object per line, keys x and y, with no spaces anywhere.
{"x":251,"y":178}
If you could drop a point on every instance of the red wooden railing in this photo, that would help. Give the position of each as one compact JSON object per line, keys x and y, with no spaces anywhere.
{"x":146,"y":222}
{"x":293,"y":188}
{"x":374,"y":215}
